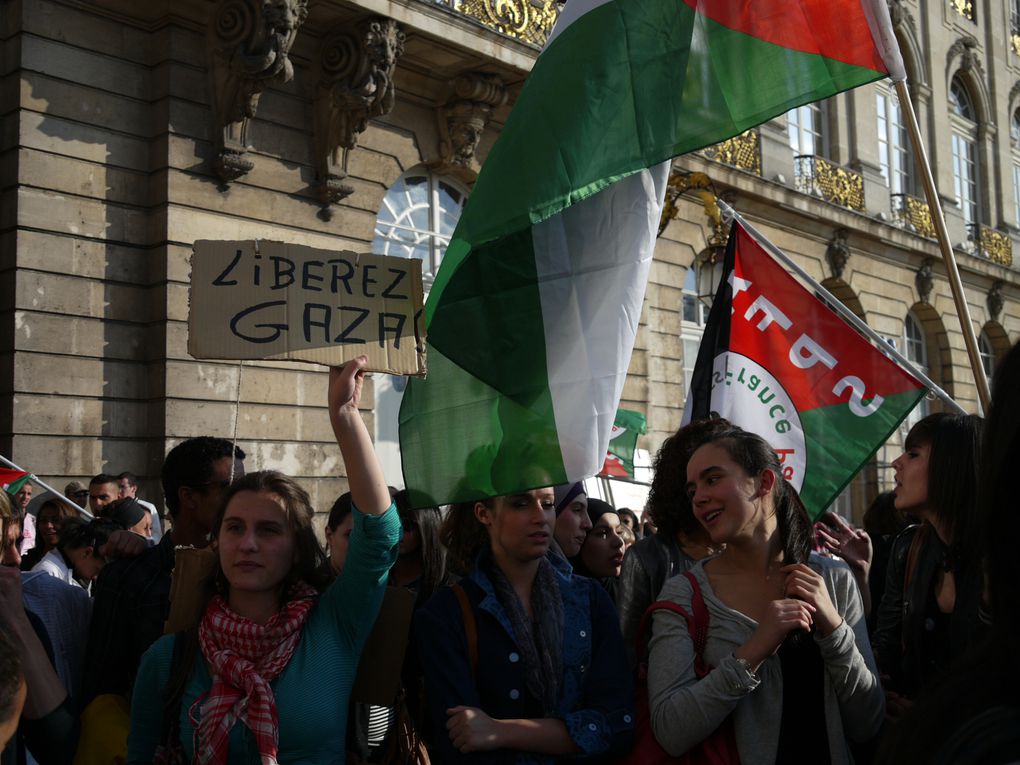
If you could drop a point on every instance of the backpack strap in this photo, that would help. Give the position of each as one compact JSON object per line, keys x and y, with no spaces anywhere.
{"x":697,"y":625}
{"x":470,"y":627}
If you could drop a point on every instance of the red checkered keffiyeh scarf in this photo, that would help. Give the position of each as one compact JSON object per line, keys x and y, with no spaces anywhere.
{"x":244,"y":657}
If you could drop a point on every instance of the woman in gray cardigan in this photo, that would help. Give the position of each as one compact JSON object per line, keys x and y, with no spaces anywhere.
{"x":787,"y":636}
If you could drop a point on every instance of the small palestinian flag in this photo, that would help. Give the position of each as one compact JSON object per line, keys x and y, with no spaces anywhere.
{"x":12,"y":480}
{"x":622,"y":444}
{"x":777,"y":361}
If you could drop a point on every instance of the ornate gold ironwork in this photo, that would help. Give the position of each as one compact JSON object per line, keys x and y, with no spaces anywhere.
{"x":913,"y":213}
{"x":964,"y":7}
{"x":1015,"y":41}
{"x":829,"y":181}
{"x":741,"y":151}
{"x":701,"y":185}
{"x":992,"y":244}
{"x":527,"y":20}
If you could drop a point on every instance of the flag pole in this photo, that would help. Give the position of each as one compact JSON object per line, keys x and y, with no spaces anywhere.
{"x":46,"y":486}
{"x":935,"y":209}
{"x":839,"y":308}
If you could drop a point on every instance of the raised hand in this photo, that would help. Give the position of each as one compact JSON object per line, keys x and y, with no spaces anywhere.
{"x":345,"y":386}
{"x":842,"y":539}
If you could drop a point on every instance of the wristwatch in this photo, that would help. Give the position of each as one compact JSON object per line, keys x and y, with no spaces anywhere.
{"x":746,"y":665}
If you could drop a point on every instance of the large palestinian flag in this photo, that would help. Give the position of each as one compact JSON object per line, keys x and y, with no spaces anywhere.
{"x":532,"y":316}
{"x":777,"y":361}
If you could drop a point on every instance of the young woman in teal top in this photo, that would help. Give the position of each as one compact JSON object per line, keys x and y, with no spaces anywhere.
{"x":266,"y":677}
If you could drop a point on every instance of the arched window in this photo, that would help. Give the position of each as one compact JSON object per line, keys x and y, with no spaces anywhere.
{"x":417,"y":218}
{"x":987,"y":353}
{"x":915,"y":348}
{"x":893,"y":152}
{"x":966,"y":183}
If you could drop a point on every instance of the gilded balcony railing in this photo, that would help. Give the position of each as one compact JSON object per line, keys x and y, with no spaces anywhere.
{"x":742,"y":151}
{"x":829,"y":181}
{"x":1014,"y":29}
{"x":991,"y":244}
{"x":913,"y":214}
{"x":527,"y":20}
{"x":963,"y":7}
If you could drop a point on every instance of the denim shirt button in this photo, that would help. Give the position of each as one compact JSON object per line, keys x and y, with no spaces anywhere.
{"x":514,"y":658}
{"x":515,"y":694}
{"x":584,"y":634}
{"x":592,"y":727}
{"x":627,"y":718}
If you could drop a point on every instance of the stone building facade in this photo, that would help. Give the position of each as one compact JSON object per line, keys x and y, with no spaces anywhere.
{"x":130,"y":130}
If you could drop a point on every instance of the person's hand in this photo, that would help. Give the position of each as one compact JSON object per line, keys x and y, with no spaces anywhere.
{"x":781,"y":617}
{"x":896,"y":706}
{"x":124,"y":544}
{"x":471,"y":730}
{"x":345,"y":386}
{"x":805,"y":583}
{"x":842,"y":539}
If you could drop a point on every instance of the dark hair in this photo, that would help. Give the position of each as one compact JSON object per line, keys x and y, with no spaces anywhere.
{"x":62,"y":508}
{"x":463,"y":535}
{"x":954,"y":457}
{"x":755,"y":455}
{"x":190,"y":463}
{"x":668,"y":503}
{"x":626,"y":511}
{"x":77,"y":533}
{"x":429,"y":521}
{"x":101,"y":479}
{"x":11,"y":676}
{"x":882,"y":519}
{"x":131,"y":478}
{"x":997,"y":506}
{"x":342,"y":507}
{"x":309,"y":559}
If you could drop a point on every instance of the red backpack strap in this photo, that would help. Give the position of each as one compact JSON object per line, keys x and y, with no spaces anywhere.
{"x":697,"y":624}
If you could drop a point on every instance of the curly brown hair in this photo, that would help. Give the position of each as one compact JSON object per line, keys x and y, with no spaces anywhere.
{"x":668,"y":503}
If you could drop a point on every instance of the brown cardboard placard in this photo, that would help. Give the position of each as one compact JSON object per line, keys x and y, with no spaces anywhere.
{"x":273,"y":300}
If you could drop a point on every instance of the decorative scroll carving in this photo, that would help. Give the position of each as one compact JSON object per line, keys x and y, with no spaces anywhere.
{"x":527,"y":20}
{"x":741,"y":151}
{"x":966,"y":49}
{"x":899,"y":13}
{"x":462,"y":119}
{"x":991,"y":244}
{"x":925,"y":279}
{"x":838,"y":253}
{"x":249,"y":43}
{"x":356,"y":66}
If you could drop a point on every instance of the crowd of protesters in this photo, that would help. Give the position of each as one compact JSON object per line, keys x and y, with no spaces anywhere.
{"x":722,"y":626}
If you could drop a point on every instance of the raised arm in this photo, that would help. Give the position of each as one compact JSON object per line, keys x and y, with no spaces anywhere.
{"x":368,"y":486}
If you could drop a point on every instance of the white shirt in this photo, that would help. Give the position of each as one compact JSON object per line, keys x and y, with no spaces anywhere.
{"x":52,"y":563}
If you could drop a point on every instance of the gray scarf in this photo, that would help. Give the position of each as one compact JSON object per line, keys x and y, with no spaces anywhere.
{"x":541,"y":640}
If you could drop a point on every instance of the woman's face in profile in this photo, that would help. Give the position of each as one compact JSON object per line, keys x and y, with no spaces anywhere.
{"x":256,"y":542}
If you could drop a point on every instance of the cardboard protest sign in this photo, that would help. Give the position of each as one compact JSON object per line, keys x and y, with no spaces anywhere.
{"x":272,"y":300}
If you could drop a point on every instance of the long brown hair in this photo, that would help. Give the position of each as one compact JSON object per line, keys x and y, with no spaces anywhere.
{"x":463,"y":535}
{"x":309,"y":558}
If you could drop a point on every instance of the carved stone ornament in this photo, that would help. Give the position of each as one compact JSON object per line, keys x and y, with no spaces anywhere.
{"x":925,"y":279}
{"x":898,"y":13}
{"x":838,"y":253}
{"x":996,"y":300}
{"x":966,"y":49}
{"x":249,"y":43}
{"x":355,"y":84}
{"x":462,"y":119}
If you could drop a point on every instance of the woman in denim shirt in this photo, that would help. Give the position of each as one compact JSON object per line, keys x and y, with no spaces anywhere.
{"x":550,"y":679}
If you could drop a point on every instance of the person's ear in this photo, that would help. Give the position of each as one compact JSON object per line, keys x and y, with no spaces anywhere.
{"x":766,"y":482}
{"x":483,"y":514}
